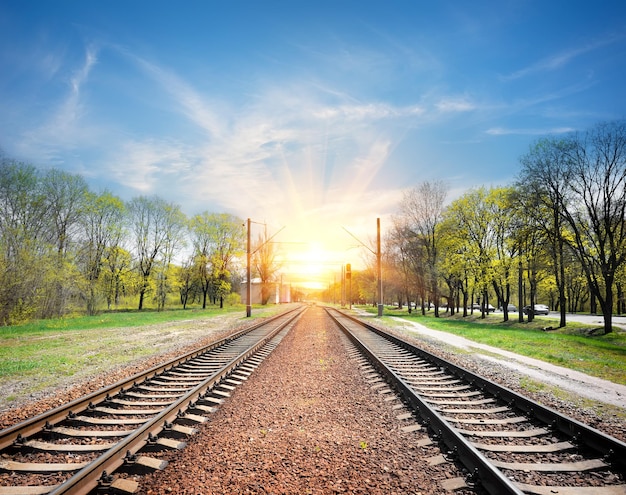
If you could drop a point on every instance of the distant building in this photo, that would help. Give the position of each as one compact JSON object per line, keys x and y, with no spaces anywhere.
{"x":281,"y":292}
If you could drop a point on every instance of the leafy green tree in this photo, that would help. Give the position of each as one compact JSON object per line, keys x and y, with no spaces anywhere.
{"x":228,"y":239}
{"x":24,"y":246}
{"x":218,"y":239}
{"x":117,"y":274}
{"x":499,"y":202}
{"x":102,"y":228}
{"x":471,"y":217}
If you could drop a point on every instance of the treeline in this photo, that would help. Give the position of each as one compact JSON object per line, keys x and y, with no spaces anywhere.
{"x":556,"y":236}
{"x":65,"y":248}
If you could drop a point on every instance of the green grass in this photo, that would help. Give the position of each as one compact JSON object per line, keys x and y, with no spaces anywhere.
{"x":603,"y":356}
{"x":129,"y":318}
{"x":46,"y":353}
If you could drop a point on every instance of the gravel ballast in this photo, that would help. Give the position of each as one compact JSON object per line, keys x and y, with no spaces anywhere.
{"x":305,"y":422}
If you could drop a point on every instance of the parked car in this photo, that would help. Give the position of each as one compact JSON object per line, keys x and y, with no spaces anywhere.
{"x":511,"y":308}
{"x":488,"y":309}
{"x":538,"y":309}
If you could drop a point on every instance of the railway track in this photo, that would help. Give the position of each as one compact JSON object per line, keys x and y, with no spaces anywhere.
{"x":508,"y":443}
{"x":80,"y":447}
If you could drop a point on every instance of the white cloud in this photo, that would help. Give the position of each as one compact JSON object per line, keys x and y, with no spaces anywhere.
{"x":372,"y":111}
{"x":455,"y":105}
{"x":502,"y":131}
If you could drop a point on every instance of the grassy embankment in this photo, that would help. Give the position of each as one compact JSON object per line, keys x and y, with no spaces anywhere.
{"x":603,"y":356}
{"x":44,"y":354}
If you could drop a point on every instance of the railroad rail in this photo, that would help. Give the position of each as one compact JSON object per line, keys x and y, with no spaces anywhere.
{"x":76,"y":448}
{"x":508,"y":443}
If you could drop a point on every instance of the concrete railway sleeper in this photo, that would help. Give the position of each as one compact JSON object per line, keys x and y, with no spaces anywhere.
{"x":506,"y":442}
{"x":79,"y":447}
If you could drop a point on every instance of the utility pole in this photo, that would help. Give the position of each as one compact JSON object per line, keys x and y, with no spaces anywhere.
{"x":520,"y":295}
{"x":248,"y":278}
{"x":380,"y":269}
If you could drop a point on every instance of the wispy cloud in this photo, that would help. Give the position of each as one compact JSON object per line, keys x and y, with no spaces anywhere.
{"x":371,"y":111}
{"x":561,"y":59}
{"x":144,"y":165}
{"x":455,"y":105}
{"x":502,"y":131}
{"x":189,"y":101}
{"x":64,"y":127}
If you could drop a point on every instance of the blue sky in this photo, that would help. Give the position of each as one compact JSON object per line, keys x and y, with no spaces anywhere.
{"x":314,"y":116}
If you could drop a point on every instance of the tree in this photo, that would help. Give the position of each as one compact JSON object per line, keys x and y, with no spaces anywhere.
{"x":228,"y":236}
{"x":24,"y":246}
{"x":217,"y":238}
{"x":102,"y":229}
{"x":595,"y":210}
{"x":502,"y":224}
{"x":542,"y":193}
{"x":153,"y":224}
{"x":116,"y":272}
{"x":582,"y":180}
{"x":470,"y":216}
{"x":265,"y":264}
{"x":174,"y":224}
{"x":65,"y":195}
{"x":422,"y":208}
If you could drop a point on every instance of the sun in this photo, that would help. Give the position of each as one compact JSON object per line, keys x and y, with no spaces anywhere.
{"x":315,"y":259}
{"x":311,"y":265}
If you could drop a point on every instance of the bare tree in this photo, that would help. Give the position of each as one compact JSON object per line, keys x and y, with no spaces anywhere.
{"x":542,"y":191}
{"x":154,"y":225}
{"x":582,"y":180}
{"x":422,"y":208}
{"x":265,"y":264}
{"x":596,"y":210}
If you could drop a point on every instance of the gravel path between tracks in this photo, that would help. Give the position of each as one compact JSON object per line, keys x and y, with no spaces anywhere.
{"x":305,"y":422}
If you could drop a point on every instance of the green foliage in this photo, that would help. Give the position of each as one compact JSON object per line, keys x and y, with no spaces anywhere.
{"x":233,"y":299}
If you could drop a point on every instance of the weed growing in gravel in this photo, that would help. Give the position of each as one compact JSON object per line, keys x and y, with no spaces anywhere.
{"x":363,"y":444}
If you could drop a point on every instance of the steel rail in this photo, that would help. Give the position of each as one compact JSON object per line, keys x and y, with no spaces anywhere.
{"x":583,"y":434}
{"x":26,"y":428}
{"x":478,"y":465}
{"x":17,"y":434}
{"x":96,"y":473}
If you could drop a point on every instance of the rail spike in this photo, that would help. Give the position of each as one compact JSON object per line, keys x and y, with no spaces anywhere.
{"x":610,"y":457}
{"x":105,"y":479}
{"x":473,"y":479}
{"x":452,"y":455}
